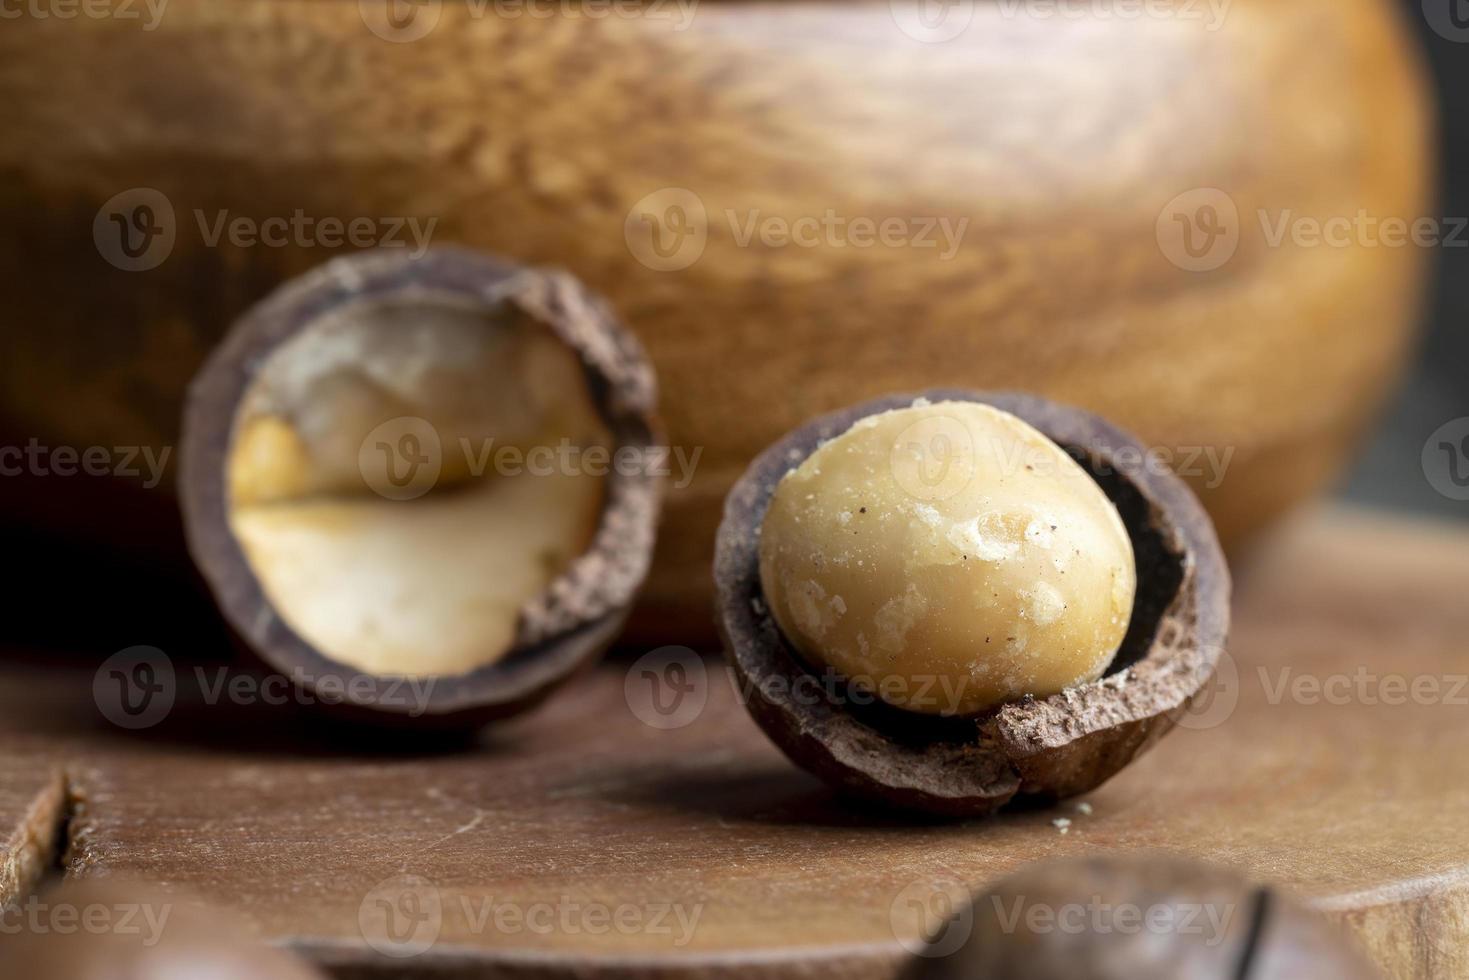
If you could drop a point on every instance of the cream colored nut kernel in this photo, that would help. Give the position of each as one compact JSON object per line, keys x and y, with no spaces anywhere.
{"x":432,"y":585}
{"x":948,"y":557}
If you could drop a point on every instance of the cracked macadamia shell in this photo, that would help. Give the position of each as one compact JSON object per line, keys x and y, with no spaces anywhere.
{"x":400,"y":467}
{"x":1135,"y":916}
{"x":948,"y":557}
{"x":1050,"y":745}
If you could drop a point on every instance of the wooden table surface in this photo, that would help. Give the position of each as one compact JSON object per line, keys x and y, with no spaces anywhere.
{"x":1333,"y":759}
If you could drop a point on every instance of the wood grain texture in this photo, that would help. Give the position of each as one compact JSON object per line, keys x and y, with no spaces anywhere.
{"x":32,"y":806}
{"x":1358,"y":807}
{"x":1058,"y":140}
{"x":136,"y":931}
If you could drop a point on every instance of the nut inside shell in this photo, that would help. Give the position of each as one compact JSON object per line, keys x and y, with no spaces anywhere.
{"x":1050,"y":747}
{"x":1140,"y":916}
{"x":434,"y":468}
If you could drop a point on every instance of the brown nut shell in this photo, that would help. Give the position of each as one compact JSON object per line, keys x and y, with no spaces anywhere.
{"x":1051,"y":748}
{"x":1136,"y":917}
{"x":563,"y":628}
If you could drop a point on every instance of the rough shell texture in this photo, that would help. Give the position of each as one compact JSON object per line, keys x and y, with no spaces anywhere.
{"x":582,"y":610}
{"x":1056,"y":747}
{"x":1072,"y":920}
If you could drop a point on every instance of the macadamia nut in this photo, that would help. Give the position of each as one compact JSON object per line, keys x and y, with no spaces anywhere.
{"x":433,"y":584}
{"x":948,"y":557}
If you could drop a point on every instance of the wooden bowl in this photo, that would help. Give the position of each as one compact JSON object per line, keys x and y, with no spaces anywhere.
{"x":1076,"y":150}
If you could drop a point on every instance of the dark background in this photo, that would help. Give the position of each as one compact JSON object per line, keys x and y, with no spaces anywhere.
{"x":1390,"y":472}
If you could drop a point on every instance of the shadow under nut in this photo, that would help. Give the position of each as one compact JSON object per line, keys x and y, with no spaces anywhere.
{"x":1050,"y":747}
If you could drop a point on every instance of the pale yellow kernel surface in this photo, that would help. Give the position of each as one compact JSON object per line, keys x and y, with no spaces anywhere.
{"x":432,"y":585}
{"x":948,"y":557}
